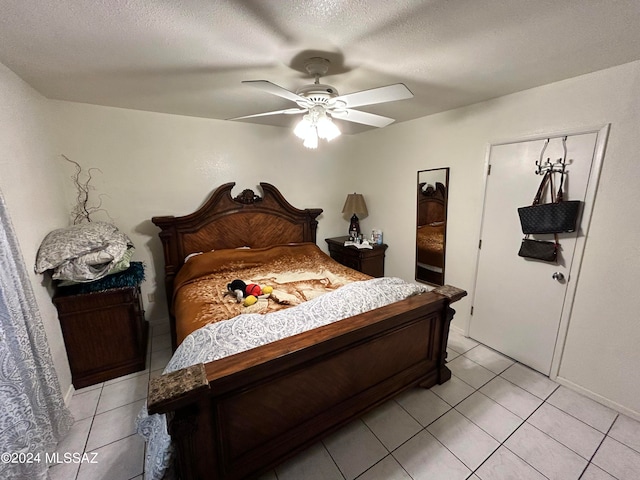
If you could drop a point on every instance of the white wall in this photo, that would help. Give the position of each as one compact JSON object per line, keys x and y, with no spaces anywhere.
{"x":156,"y":164}
{"x":601,"y":355}
{"x":31,"y":184}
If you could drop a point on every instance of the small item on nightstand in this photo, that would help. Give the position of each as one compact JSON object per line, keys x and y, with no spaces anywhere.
{"x":376,"y":236}
{"x":358,"y":244}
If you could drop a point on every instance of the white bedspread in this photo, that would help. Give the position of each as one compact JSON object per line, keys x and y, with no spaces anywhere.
{"x":221,"y":339}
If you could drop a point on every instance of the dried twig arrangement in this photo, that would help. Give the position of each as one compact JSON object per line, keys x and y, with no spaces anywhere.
{"x":82,"y":211}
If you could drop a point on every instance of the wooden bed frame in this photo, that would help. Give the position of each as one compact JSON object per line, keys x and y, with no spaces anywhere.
{"x":241,"y":416}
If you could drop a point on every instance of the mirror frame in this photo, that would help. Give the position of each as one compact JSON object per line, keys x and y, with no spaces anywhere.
{"x":438,"y":194}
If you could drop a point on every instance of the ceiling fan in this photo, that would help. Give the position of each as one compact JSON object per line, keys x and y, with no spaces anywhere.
{"x":320,"y":103}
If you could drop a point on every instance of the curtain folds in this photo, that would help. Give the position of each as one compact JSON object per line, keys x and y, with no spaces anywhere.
{"x":33,"y":416}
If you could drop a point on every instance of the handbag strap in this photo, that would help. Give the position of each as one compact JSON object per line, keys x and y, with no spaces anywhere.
{"x":551,"y":189}
{"x":548,"y":177}
{"x":560,"y":195}
{"x":543,"y":183}
{"x":563,"y":162}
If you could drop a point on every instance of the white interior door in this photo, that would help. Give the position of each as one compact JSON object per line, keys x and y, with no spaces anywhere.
{"x":518,"y":303}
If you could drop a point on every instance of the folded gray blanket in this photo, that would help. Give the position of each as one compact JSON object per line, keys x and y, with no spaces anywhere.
{"x":84,"y":252}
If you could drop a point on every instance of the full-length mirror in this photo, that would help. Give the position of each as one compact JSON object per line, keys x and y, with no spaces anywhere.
{"x":431,"y":225}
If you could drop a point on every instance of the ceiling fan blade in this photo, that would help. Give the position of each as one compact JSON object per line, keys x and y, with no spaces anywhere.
{"x":390,"y":93}
{"x":287,"y":111}
{"x":364,"y":118}
{"x":274,"y":89}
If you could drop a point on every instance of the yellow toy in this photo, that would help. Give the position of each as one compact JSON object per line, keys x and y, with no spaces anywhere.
{"x":249,"y":300}
{"x":248,"y":294}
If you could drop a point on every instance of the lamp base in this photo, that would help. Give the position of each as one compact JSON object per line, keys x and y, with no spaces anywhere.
{"x":354,"y":225}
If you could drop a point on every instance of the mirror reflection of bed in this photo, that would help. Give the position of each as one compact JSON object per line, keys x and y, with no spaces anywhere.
{"x":431,"y":225}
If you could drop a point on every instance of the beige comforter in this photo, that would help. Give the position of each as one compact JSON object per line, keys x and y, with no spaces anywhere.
{"x":430,"y":242}
{"x":297,"y":273}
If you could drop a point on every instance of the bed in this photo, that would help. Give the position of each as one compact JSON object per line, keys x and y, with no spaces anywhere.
{"x":240,"y":415}
{"x":297,"y":272}
{"x":430,"y":234}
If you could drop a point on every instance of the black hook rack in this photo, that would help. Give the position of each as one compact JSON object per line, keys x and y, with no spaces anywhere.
{"x":558,"y":166}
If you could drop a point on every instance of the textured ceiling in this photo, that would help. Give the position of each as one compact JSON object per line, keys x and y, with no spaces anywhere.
{"x":188,"y":57}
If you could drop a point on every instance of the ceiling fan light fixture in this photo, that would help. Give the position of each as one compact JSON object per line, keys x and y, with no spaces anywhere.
{"x":322,"y":104}
{"x":327,"y":129}
{"x":303,"y":127}
{"x":316,"y":124}
{"x":311,"y":140}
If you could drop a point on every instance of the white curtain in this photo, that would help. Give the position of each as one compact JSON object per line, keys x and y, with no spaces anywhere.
{"x":33,"y":416}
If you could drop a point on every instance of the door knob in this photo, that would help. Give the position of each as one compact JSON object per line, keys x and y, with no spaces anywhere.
{"x":558,"y":276}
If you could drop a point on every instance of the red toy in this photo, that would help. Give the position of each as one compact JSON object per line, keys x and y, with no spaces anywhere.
{"x":242,"y":291}
{"x":253,"y":289}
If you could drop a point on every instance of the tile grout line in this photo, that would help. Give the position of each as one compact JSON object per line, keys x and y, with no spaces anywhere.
{"x":502,"y":444}
{"x":334,"y":460}
{"x":390,"y":452}
{"x":86,"y":441}
{"x":95,"y":413}
{"x":478,"y":390}
{"x":589,"y":461}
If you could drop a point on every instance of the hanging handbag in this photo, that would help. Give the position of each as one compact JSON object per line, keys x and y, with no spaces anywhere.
{"x":539,"y":250}
{"x":555,"y":217}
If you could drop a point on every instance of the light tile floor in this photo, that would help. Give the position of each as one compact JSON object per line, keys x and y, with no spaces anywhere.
{"x":494,"y":420}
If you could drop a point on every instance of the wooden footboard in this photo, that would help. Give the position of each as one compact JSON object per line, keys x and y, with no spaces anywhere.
{"x":244,"y":414}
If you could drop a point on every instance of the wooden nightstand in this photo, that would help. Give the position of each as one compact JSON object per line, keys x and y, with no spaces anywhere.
{"x":365,"y":260}
{"x":105,"y":334}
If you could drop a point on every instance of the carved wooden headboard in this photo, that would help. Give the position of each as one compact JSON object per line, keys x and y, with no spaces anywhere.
{"x":226,"y":222}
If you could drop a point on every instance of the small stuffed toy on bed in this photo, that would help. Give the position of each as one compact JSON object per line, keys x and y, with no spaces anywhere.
{"x":236,"y":288}
{"x":248,"y":294}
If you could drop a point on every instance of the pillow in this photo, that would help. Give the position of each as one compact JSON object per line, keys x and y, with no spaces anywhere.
{"x":191,"y":255}
{"x":65,"y":244}
{"x":213,"y":250}
{"x":120,"y":266}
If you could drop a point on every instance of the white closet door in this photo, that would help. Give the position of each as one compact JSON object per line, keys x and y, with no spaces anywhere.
{"x":518,"y":303}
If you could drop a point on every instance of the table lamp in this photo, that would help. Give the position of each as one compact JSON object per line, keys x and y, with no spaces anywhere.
{"x":355,"y":205}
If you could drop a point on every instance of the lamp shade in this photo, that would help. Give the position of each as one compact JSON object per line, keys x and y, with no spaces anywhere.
{"x":355,"y":205}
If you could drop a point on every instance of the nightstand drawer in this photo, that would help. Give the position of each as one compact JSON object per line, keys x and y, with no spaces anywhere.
{"x":346,"y":258}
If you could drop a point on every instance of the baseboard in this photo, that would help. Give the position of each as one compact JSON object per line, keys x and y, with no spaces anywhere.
{"x":583,"y":391}
{"x":457,"y":329}
{"x":67,"y":396}
{"x":598,"y":398}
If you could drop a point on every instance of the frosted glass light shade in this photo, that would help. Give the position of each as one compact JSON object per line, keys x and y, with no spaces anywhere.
{"x":327,"y":129}
{"x":316,"y":124}
{"x":311,"y":140}
{"x":303,"y":127}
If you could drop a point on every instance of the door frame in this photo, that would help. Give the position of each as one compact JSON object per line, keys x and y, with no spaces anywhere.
{"x":602,"y":135}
